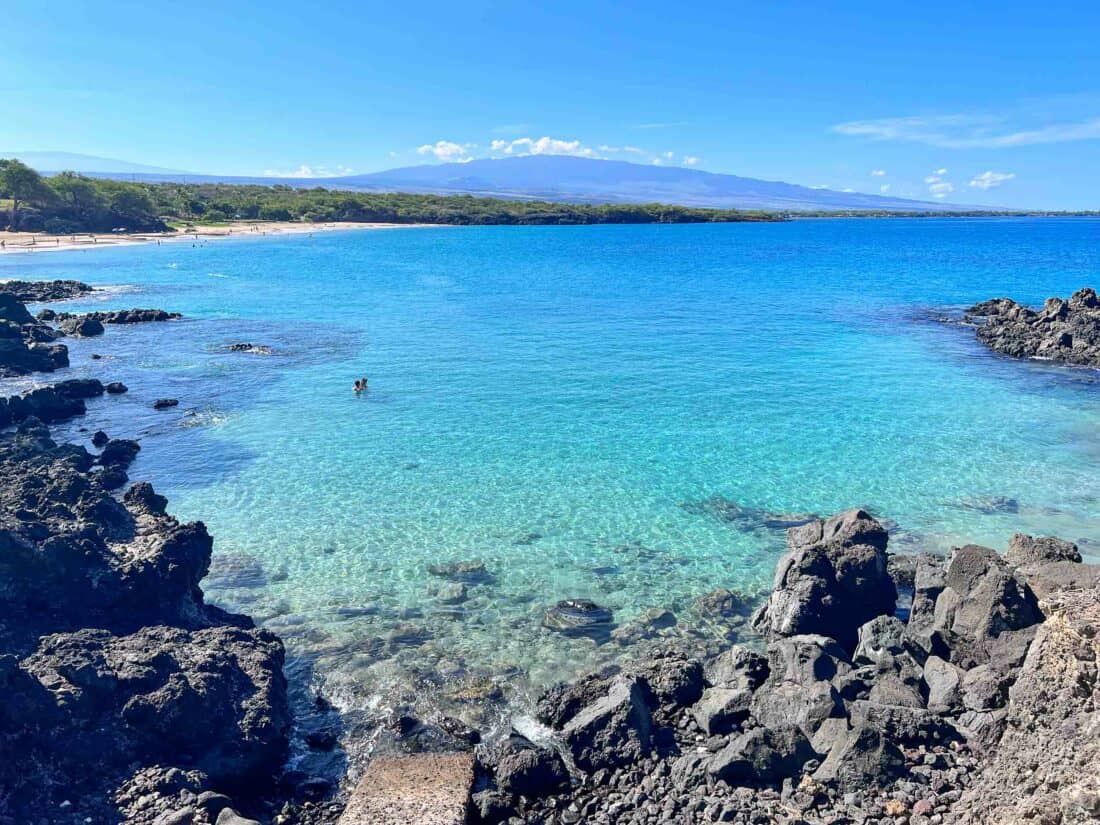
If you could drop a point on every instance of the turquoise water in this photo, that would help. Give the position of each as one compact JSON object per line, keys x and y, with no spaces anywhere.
{"x":545,"y":399}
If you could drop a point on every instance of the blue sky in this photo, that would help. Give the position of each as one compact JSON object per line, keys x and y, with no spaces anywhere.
{"x":995,"y":103}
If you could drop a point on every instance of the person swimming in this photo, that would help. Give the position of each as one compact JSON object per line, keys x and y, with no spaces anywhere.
{"x":363,"y":383}
{"x":358,"y":386}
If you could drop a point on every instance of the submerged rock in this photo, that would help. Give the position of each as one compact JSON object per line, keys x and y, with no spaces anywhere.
{"x":578,"y":617}
{"x":745,"y":517}
{"x":165,"y":403}
{"x":471,"y":572}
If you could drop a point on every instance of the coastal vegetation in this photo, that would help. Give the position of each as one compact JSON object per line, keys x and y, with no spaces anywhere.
{"x":68,"y":203}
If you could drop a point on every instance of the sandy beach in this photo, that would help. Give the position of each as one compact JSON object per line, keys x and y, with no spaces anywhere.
{"x":19,"y":242}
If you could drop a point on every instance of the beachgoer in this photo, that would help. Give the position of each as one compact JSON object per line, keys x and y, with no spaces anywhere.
{"x":363,"y":383}
{"x":358,"y":386}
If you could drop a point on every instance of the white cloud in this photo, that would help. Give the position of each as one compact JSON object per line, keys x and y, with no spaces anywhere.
{"x":306,"y":171}
{"x":968,"y":131}
{"x":446,"y":150}
{"x":991,"y":180}
{"x":669,"y":155}
{"x":690,"y":160}
{"x":878,"y":173}
{"x":634,"y":150}
{"x":941,"y":189}
{"x":543,"y":146}
{"x":940,"y":172}
{"x":884,"y":188}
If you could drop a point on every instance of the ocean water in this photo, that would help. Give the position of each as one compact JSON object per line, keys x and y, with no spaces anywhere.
{"x":546,"y":400}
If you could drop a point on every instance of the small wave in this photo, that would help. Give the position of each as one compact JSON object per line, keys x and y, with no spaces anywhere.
{"x":217,"y":275}
{"x":173,"y":266}
{"x":204,"y":418}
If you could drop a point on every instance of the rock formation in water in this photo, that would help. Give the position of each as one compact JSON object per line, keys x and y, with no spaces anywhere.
{"x":27,"y":345}
{"x":1064,"y":331}
{"x":37,"y":291}
{"x":117,"y":316}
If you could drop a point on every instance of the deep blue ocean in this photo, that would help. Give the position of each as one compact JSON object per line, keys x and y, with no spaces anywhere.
{"x":548,"y":399}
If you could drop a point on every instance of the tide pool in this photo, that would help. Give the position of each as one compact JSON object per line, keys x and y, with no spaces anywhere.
{"x":547,"y":400}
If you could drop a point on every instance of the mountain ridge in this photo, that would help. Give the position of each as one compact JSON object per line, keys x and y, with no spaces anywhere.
{"x":561,"y":178}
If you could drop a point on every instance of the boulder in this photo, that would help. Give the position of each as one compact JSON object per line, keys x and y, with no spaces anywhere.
{"x":82,"y":327}
{"x":615,"y":730}
{"x":165,"y":403}
{"x":116,"y":388}
{"x":863,"y":758}
{"x":943,"y":682}
{"x":119,"y":452}
{"x":1024,"y":550}
{"x":762,"y":756}
{"x":524,"y":769}
{"x":982,"y":600}
{"x":737,"y":666}
{"x":721,"y":709}
{"x":833,"y":579}
{"x":671,"y":681}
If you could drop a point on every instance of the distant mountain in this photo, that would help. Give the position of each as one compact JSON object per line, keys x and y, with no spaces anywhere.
{"x":572,"y":179}
{"x":73,"y":162}
{"x":541,"y":177}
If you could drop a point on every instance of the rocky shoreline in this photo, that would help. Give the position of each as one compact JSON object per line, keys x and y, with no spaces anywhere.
{"x":988,"y":685}
{"x":879,"y":688}
{"x":127,"y":698}
{"x":1064,"y":330}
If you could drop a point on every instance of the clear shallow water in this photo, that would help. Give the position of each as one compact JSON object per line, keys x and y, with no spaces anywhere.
{"x":581,"y":384}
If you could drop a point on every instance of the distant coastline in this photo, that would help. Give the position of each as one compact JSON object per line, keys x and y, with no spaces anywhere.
{"x":28,"y":242}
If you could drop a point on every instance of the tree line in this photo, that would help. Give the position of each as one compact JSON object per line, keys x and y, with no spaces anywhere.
{"x":68,"y":203}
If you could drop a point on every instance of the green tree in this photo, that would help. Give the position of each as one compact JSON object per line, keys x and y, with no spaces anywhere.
{"x":23,"y":185}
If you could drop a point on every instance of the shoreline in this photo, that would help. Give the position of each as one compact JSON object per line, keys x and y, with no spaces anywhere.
{"x":31,"y":242}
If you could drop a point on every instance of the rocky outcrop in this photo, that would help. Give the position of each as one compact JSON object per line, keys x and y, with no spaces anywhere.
{"x":26,"y":345}
{"x":900,"y":722}
{"x":109,"y":655}
{"x":38,"y":291}
{"x":1067,"y":331}
{"x":833,"y":580}
{"x":119,"y":316}
{"x":1044,"y":768}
